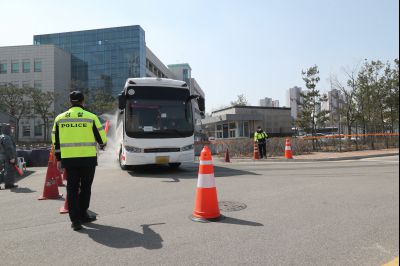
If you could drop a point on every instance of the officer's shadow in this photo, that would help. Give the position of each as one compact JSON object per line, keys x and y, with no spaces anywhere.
{"x":116,"y":237}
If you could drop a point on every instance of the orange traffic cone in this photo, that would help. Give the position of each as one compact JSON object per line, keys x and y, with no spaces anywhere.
{"x":227,"y":159}
{"x":50,"y":190}
{"x":206,"y":205}
{"x":64,"y":209}
{"x":256,"y":154}
{"x":288,"y":150}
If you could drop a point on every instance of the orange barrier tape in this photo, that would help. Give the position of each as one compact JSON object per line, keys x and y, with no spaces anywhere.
{"x":351,"y":135}
{"x":224,"y":141}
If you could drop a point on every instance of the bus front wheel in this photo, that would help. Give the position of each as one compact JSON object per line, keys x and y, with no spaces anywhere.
{"x":174,"y":165}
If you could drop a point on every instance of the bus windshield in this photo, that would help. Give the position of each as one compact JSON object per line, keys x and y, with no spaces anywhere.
{"x":160,"y":118}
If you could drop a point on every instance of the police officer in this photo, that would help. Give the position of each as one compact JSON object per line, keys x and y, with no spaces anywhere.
{"x":260,"y":137}
{"x":75,"y":135}
{"x":8,"y":157}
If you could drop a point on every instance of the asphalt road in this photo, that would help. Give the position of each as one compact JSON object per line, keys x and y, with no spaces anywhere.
{"x":298,"y":213}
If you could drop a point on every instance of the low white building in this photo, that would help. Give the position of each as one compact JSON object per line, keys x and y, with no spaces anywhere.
{"x":242,"y":122}
{"x":44,"y":67}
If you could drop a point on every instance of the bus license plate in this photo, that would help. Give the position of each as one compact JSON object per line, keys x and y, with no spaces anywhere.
{"x":162,"y":159}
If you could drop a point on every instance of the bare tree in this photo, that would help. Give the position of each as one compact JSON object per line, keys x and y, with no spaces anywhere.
{"x":43,"y":102}
{"x":240,"y":101}
{"x":100,"y":102}
{"x":348,"y":105}
{"x":13,"y":101}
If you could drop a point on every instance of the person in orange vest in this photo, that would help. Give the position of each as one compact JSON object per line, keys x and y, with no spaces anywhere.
{"x":260,"y":137}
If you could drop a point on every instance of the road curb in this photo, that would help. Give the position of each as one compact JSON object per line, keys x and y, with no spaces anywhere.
{"x":350,"y":157}
{"x":346,"y":158}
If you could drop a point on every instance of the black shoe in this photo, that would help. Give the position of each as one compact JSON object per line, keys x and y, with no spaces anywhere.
{"x":76,"y":225}
{"x":88,"y":218}
{"x":10,"y":186}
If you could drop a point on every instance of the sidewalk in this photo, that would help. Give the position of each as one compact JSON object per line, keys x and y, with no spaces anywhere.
{"x":329,"y":156}
{"x":321,"y":156}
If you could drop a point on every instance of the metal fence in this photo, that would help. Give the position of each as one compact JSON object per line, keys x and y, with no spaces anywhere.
{"x":244,"y":147}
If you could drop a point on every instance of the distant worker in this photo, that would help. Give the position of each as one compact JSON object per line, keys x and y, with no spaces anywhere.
{"x":260,"y":137}
{"x":8,"y":157}
{"x":75,"y":135}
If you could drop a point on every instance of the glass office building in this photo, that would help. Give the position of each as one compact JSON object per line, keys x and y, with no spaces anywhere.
{"x":102,"y":58}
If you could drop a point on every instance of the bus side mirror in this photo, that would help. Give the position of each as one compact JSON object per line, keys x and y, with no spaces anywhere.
{"x":121,"y":102}
{"x":201,"y":103}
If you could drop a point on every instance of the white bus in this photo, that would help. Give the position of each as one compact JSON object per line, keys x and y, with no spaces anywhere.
{"x":157,"y":122}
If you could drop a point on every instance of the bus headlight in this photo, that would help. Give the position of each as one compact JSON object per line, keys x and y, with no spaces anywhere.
{"x":188,"y":147}
{"x":133,"y":149}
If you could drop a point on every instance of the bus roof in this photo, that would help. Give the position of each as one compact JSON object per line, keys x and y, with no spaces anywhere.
{"x":154,"y":82}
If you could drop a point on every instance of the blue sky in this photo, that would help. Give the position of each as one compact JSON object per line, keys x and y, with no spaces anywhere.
{"x":256,"y":48}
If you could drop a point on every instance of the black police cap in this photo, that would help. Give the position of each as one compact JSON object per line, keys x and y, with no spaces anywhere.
{"x":76,"y":96}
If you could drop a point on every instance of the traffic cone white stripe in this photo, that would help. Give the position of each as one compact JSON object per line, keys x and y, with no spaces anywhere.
{"x":288,"y":148}
{"x":206,"y":162}
{"x":206,"y":181}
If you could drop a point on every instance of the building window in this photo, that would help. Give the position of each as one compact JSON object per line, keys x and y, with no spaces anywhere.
{"x":26,"y":66}
{"x":38,"y":129}
{"x":26,"y":131}
{"x":244,"y":129}
{"x":219,"y":132}
{"x":37,"y":65}
{"x":232,"y":130}
{"x":15,"y":84}
{"x":225,"y":131}
{"x":185,"y":74}
{"x":14,"y":67}
{"x":3,"y":68}
{"x":26,"y":84}
{"x":37,"y":84}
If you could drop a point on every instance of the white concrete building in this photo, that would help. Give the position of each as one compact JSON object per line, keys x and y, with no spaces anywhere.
{"x":266,"y":102}
{"x":44,"y":67}
{"x":293,"y":100}
{"x":335,"y":98}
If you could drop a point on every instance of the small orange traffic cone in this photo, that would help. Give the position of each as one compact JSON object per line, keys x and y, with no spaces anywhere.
{"x":50,"y":190}
{"x":288,"y":150}
{"x":206,"y":204}
{"x":256,"y":154}
{"x":64,"y":209}
{"x":227,"y":159}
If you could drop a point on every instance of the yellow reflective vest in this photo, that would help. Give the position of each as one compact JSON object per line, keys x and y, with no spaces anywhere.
{"x":75,"y":135}
{"x":260,"y":136}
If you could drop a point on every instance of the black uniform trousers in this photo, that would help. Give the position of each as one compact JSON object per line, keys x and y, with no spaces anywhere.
{"x":79,"y":190}
{"x":262,"y":148}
